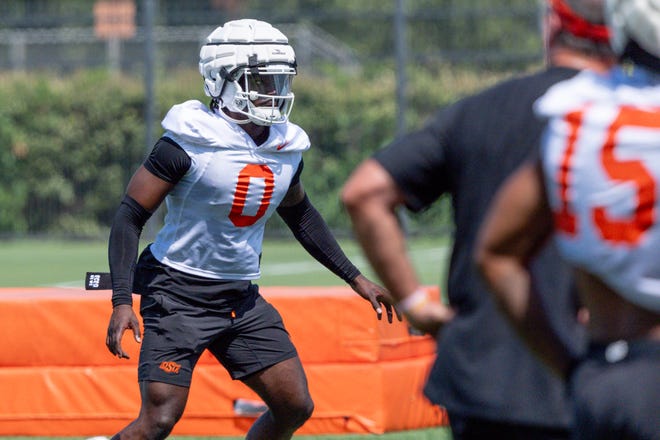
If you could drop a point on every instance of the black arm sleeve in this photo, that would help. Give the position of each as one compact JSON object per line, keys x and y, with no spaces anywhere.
{"x":123,"y":248}
{"x":168,"y":160}
{"x":313,"y":233}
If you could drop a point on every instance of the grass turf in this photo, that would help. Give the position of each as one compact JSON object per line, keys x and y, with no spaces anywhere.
{"x":32,"y":262}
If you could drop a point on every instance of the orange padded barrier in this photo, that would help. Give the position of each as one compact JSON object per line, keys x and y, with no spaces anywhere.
{"x":57,"y":377}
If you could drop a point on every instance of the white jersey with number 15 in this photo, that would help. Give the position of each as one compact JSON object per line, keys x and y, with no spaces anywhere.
{"x":601,"y":161}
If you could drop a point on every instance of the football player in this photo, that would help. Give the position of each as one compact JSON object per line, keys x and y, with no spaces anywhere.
{"x":222,"y":171}
{"x":595,"y":190}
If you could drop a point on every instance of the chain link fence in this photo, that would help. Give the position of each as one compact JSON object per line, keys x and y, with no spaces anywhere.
{"x":60,"y":37}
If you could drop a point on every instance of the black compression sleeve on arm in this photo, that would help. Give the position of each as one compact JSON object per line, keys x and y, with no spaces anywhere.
{"x":313,"y":233}
{"x":123,"y":248}
{"x":168,"y":161}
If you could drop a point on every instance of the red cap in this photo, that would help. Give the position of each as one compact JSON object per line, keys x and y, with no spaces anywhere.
{"x":578,"y":26}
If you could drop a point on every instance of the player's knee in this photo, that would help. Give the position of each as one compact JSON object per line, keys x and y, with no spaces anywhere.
{"x":302,"y":411}
{"x":307,"y":409}
{"x":295,"y":413}
{"x":161,"y":425}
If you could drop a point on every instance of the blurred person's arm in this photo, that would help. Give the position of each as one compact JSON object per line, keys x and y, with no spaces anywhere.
{"x":371,"y":198}
{"x":518,"y":222}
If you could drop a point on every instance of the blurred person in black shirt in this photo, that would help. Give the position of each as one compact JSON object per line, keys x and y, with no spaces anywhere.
{"x":489,"y":383}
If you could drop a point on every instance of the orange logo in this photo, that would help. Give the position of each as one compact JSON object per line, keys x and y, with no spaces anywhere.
{"x":170,"y":367}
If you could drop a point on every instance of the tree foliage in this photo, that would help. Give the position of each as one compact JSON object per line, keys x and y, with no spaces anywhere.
{"x":71,"y":144}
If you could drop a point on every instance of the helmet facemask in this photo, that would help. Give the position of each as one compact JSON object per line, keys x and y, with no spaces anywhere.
{"x":262,"y":93}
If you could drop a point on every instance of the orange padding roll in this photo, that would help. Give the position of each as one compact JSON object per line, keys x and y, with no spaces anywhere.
{"x":57,"y":377}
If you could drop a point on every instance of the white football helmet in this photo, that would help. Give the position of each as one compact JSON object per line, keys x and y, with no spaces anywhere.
{"x":248,"y":66}
{"x":637,"y":20}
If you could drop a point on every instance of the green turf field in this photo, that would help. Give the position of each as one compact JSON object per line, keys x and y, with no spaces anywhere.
{"x":27,"y":263}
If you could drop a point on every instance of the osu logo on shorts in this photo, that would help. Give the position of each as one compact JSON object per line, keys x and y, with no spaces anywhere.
{"x":170,"y":367}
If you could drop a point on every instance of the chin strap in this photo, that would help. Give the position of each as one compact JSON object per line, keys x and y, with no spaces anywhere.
{"x":223,"y":113}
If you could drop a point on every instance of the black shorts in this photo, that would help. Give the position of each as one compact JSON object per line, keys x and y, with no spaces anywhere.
{"x":616,"y":392}
{"x":232,"y":320}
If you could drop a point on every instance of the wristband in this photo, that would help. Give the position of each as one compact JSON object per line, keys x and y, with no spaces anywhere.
{"x":415,"y":301}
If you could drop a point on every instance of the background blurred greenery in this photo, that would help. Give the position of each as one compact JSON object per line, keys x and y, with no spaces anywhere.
{"x":73,"y":121}
{"x":71,"y":144}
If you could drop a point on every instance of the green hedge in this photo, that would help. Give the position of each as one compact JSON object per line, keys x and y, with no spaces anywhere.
{"x":71,"y":144}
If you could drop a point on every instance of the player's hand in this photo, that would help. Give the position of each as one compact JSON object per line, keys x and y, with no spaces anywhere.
{"x":430,"y":318}
{"x":377,"y":296}
{"x":122,"y":319}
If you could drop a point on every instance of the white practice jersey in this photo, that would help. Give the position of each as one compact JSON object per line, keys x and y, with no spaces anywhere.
{"x":217,"y":212}
{"x":601,"y":160}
